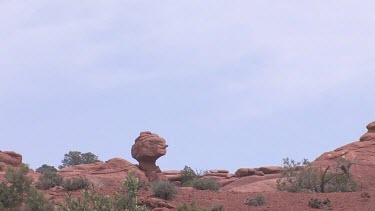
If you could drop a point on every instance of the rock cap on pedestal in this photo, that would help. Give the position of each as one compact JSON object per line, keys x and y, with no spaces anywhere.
{"x":370,"y":135}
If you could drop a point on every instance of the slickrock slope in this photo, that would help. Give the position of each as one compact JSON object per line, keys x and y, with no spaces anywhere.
{"x":361,"y":153}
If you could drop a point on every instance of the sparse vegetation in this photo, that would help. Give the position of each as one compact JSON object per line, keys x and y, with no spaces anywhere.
{"x":188,"y":175}
{"x":49,"y":179}
{"x":301,"y":177}
{"x":164,"y":189}
{"x":206,"y":184}
{"x":76,"y":158}
{"x":257,"y":200}
{"x":16,"y":191}
{"x":75,"y":184}
{"x":125,"y":199}
{"x":318,"y":204}
{"x":191,"y":207}
{"x":217,"y":207}
{"x":46,"y":168}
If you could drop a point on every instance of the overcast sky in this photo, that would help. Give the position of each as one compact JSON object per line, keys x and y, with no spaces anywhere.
{"x":228,"y":84}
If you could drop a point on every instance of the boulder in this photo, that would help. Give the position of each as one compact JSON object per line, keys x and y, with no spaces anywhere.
{"x":370,"y":134}
{"x":243,"y":172}
{"x":9,"y":158}
{"x":271,"y":169}
{"x":148,"y":147}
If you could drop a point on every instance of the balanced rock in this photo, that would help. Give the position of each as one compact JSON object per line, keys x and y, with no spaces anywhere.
{"x":370,"y":135}
{"x":148,"y":147}
{"x":8,"y":158}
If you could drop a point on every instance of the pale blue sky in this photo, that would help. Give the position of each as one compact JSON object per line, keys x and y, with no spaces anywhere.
{"x":228,"y":84}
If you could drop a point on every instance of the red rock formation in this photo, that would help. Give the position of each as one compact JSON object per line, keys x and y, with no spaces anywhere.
{"x":148,"y":147}
{"x":370,"y":135}
{"x":10,"y":159}
{"x":361,"y":153}
{"x":104,"y":174}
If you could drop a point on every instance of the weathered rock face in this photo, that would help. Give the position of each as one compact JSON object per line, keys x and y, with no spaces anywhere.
{"x":104,"y":174}
{"x":10,"y":159}
{"x":362,"y":153}
{"x":370,"y":135}
{"x":148,"y":147}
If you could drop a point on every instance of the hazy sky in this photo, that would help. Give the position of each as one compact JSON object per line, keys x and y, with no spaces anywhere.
{"x":228,"y":84}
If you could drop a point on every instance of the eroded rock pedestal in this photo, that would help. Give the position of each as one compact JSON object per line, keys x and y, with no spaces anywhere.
{"x":148,"y":147}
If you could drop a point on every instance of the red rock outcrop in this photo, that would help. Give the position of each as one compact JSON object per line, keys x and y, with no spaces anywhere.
{"x":148,"y":147}
{"x":8,"y":158}
{"x":370,"y":135}
{"x":104,"y":174}
{"x":361,"y":153}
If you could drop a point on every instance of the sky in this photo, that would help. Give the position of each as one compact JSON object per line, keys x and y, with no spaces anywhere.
{"x":228,"y":84}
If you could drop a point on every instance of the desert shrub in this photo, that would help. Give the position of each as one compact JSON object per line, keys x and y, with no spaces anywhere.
{"x":76,"y":184}
{"x":16,"y":191}
{"x":76,"y":158}
{"x":35,"y":201}
{"x":125,"y":199}
{"x":46,"y":168}
{"x":217,"y":207}
{"x":257,"y":200}
{"x":301,"y":177}
{"x":318,"y":204}
{"x":1,"y":167}
{"x":188,"y":175}
{"x":206,"y":184}
{"x":164,"y":189}
{"x":191,"y":207}
{"x":13,"y":189}
{"x":49,"y":179}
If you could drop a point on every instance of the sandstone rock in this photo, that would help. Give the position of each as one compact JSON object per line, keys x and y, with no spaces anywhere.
{"x":253,"y":183}
{"x":148,"y":147}
{"x":362,"y":154}
{"x":370,"y":135}
{"x":158,"y":203}
{"x":243,"y":172}
{"x":271,"y":169}
{"x":219,"y":171}
{"x":259,"y":173}
{"x":8,"y":158}
{"x":104,"y":174}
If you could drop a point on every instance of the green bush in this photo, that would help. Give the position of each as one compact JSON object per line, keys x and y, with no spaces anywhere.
{"x":301,"y":177}
{"x":217,"y":207}
{"x":206,"y":184}
{"x":46,"y":168}
{"x":318,"y":204}
{"x":164,"y":189}
{"x":188,"y":175}
{"x":49,"y":179}
{"x":257,"y":200}
{"x":13,"y":189}
{"x":76,"y":158}
{"x":125,"y":199}
{"x":16,"y":191}
{"x":76,"y":184}
{"x":191,"y":207}
{"x":35,"y":201}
